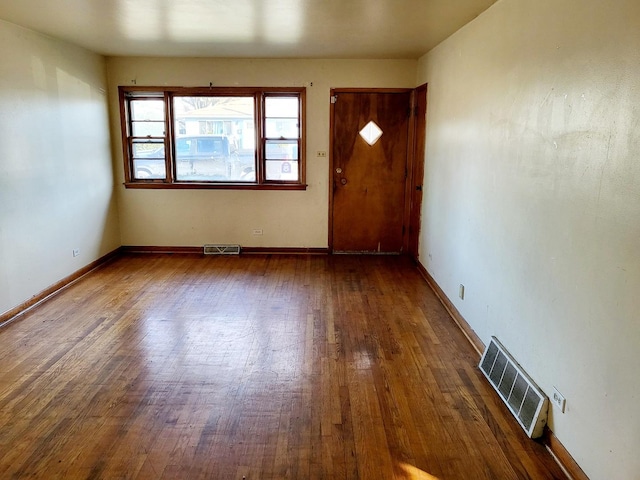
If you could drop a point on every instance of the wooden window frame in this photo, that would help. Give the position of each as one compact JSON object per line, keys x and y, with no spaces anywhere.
{"x":127,"y":93}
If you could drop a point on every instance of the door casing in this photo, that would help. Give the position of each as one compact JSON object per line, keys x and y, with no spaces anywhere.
{"x":416,"y":172}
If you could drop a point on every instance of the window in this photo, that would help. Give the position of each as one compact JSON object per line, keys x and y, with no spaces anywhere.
{"x":213,"y":137}
{"x":282,"y":137}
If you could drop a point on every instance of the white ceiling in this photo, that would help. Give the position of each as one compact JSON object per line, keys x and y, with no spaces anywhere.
{"x":248,"y":28}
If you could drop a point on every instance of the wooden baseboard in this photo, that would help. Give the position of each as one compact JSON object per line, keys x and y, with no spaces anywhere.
{"x":163,"y":250}
{"x":285,"y":250}
{"x":49,"y":292}
{"x":550,"y":441}
{"x":562,"y":456}
{"x":244,"y":250}
{"x":474,"y":339}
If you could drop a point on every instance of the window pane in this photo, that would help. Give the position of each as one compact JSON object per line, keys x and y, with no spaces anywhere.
{"x":282,"y":122}
{"x":281,"y":150}
{"x":148,"y":150}
{"x":281,"y":107}
{"x":218,"y":144}
{"x":282,"y":170}
{"x":282,"y":128}
{"x":147,"y":110}
{"x":147,"y":129}
{"x":144,"y":168}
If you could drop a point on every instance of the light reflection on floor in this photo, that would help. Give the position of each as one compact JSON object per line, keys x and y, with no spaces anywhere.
{"x":414,"y":473}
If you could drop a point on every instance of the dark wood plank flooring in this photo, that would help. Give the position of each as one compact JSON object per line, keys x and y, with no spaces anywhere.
{"x":264,"y":367}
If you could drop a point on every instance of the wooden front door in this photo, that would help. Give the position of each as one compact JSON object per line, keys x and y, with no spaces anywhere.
{"x":368,"y":201}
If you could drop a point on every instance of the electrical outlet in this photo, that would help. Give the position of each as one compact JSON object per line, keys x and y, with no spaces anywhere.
{"x":257,"y":231}
{"x":558,"y":399}
{"x":321,"y":153}
{"x":461,"y":292}
{"x":76,"y":252}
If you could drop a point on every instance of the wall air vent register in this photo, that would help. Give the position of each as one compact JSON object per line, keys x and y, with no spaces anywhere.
{"x":526,"y":401}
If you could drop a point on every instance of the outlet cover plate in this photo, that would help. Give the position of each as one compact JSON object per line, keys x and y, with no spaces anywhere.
{"x":558,"y":399}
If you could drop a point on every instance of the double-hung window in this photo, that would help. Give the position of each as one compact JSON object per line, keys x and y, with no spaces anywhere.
{"x":213,"y":137}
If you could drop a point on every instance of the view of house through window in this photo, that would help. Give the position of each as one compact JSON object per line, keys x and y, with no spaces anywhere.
{"x":251,"y":138}
{"x":218,"y":143}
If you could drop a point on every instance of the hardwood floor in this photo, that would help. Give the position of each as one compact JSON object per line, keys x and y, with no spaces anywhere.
{"x":264,"y":367}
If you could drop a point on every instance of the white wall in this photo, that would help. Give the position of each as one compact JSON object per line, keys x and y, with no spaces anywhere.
{"x":196,"y":217}
{"x":532,"y":201}
{"x":56,"y":179}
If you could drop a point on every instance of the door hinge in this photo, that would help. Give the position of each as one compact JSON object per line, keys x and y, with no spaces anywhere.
{"x":334,"y":98}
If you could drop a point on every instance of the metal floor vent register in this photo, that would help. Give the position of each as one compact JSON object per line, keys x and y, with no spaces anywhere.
{"x":213,"y":249}
{"x":526,"y":401}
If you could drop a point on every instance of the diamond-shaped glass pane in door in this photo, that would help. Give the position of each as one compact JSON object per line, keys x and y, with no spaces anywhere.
{"x":371,"y":133}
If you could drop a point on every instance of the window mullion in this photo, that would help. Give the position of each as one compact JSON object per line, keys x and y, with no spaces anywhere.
{"x":168,"y":137}
{"x":260,"y":137}
{"x":128,"y":127}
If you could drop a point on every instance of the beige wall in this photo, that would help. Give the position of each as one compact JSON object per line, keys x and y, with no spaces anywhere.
{"x":196,"y":217}
{"x":532,"y":201}
{"x":56,"y":179}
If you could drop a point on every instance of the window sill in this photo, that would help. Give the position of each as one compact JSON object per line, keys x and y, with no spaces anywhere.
{"x":217,"y":186}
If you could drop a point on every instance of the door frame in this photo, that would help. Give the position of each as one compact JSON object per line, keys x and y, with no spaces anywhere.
{"x":416,"y":173}
{"x":409,"y":166}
